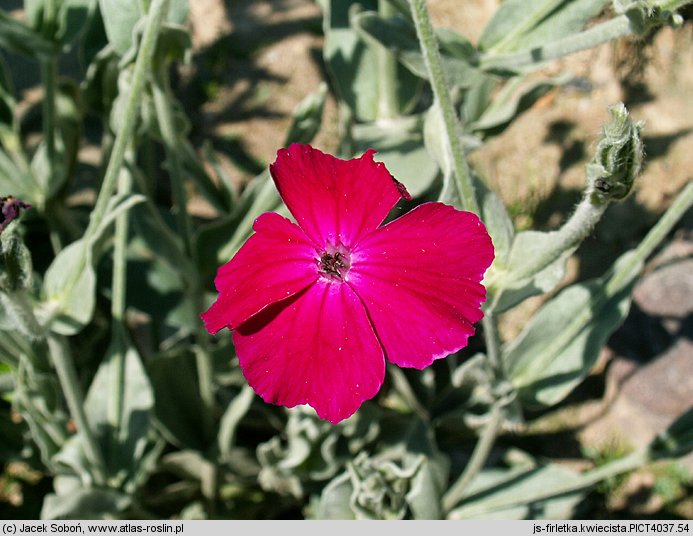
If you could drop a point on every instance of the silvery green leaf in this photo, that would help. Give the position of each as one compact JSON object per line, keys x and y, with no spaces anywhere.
{"x":70,"y":18}
{"x":232,"y":417}
{"x":51,"y":176}
{"x":495,"y":217}
{"x":424,"y":494}
{"x":85,"y":503}
{"x":353,"y":63}
{"x":512,"y":20}
{"x":119,"y":405}
{"x":436,"y":143}
{"x":400,"y":146}
{"x":100,"y":86}
{"x":69,"y":288}
{"x":174,"y":43}
{"x":177,"y":401}
{"x":308,"y":454}
{"x":159,"y":237}
{"x":504,"y":493}
{"x":120,"y":18}
{"x":191,"y":465}
{"x":16,"y":179}
{"x":19,"y":38}
{"x":38,"y":398}
{"x":516,"y":96}
{"x":72,"y":461}
{"x":178,"y":11}
{"x":561,"y":344}
{"x":399,"y":36}
{"x":334,"y":499}
{"x":477,"y":99}
{"x":69,"y":285}
{"x":219,"y":240}
{"x":570,"y":18}
{"x":508,"y":280}
{"x":307,"y":117}
{"x":528,"y":23}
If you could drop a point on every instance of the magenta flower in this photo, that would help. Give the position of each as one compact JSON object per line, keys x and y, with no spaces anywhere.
{"x":316,"y":307}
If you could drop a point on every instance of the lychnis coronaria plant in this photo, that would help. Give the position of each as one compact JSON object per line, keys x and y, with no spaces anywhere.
{"x":318,"y":306}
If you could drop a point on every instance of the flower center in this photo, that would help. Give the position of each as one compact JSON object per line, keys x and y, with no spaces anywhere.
{"x":334,"y":262}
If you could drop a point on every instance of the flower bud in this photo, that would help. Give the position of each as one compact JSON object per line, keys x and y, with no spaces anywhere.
{"x":618,"y":158}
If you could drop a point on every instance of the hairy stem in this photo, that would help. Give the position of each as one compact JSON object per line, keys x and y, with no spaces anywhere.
{"x":481,"y":452}
{"x":118,"y":300}
{"x":683,"y":202}
{"x":578,"y":227}
{"x":67,"y":375}
{"x":388,"y":106}
{"x":441,"y":92}
{"x":155,"y":16}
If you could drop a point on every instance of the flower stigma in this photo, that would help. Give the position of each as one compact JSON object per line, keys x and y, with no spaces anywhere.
{"x":334,"y":262}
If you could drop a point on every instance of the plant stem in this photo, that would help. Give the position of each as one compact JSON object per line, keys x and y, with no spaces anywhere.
{"x":65,"y":367}
{"x":119,"y":289}
{"x":587,"y":214}
{"x":476,"y":463}
{"x":388,"y":106}
{"x":683,"y":201}
{"x":118,"y":299}
{"x":441,"y":92}
{"x":155,"y":16}
{"x":493,"y":344}
{"x":598,"y":34}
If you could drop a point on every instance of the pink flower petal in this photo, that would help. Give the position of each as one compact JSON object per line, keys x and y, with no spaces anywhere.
{"x":334,"y":200}
{"x":316,"y":348}
{"x":419,"y":278}
{"x":275,"y":263}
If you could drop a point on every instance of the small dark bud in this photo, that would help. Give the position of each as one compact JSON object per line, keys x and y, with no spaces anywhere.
{"x":10,"y":208}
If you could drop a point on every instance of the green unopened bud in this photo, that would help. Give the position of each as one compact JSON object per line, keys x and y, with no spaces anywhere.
{"x":15,"y":263}
{"x":618,"y":158}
